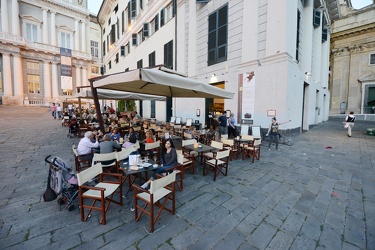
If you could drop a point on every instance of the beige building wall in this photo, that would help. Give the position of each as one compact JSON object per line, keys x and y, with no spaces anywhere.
{"x":352,"y":44}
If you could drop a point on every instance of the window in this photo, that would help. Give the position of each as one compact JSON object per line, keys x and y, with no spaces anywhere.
{"x":94,"y":49}
{"x":217,"y":36}
{"x":168,"y":55}
{"x":372,"y":59}
{"x":140,"y":37}
{"x":65,"y":40}
{"x":151,"y":59}
{"x":298,"y":34}
{"x":95,"y":69}
{"x":141,"y":4}
{"x":127,"y":70}
{"x":129,"y":13}
{"x":33,"y":82}
{"x":134,"y":39}
{"x":152,"y":27}
{"x":162,"y":17}
{"x":116,"y":59}
{"x":116,"y":9}
{"x":103,"y":31}
{"x":109,"y":64}
{"x":316,"y":18}
{"x":324,"y":35}
{"x":169,"y":12}
{"x":32,"y":32}
{"x":122,"y":50}
{"x":109,"y":21}
{"x":104,"y":48}
{"x":145,"y":30}
{"x":133,"y":8}
{"x":127,"y":48}
{"x":156,"y":22}
{"x":123,"y":22}
{"x":113,"y":34}
{"x":140,"y":64}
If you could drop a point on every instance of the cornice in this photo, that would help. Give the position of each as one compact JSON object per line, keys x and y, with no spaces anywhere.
{"x":352,"y":32}
{"x":105,"y":10}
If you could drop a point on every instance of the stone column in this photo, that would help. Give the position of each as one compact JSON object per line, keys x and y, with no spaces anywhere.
{"x":7,"y":75}
{"x":4,"y":16}
{"x":76,"y":35}
{"x":53,"y":29}
{"x":78,"y":77}
{"x":47,"y":81}
{"x":83,"y":48}
{"x":84,"y":77}
{"x":18,"y":76}
{"x":45,"y":27}
{"x":55,"y":86}
{"x":15,"y":18}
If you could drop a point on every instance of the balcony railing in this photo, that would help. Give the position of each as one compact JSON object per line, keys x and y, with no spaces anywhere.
{"x":12,"y":38}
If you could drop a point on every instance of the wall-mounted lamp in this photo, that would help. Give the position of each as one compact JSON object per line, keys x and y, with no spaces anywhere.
{"x":198,"y":112}
{"x":213,"y":75}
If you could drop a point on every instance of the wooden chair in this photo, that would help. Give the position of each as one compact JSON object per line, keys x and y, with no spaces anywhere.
{"x":120,"y":157}
{"x":187,"y":136}
{"x":153,"y":147}
{"x":188,"y":161}
{"x":229,"y":144}
{"x":82,"y":162}
{"x":108,"y":161}
{"x":217,"y":145}
{"x":252,"y":150}
{"x":217,"y":164}
{"x":188,"y":152}
{"x":163,"y":188}
{"x":250,"y":138}
{"x":66,"y":121}
{"x":102,"y":192}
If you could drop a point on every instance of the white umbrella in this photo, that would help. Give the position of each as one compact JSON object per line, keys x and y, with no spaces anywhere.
{"x":161,"y":82}
{"x":105,"y":94}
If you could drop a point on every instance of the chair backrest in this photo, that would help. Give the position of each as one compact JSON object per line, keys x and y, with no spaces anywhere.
{"x":180,"y":157}
{"x":74,"y":149}
{"x":222,"y":154}
{"x":137,"y":128}
{"x":178,"y":120}
{"x":189,"y":122}
{"x":187,"y":135}
{"x":247,"y":137}
{"x":188,"y":142}
{"x":104,"y":157}
{"x":173,"y":119}
{"x":124,"y":153}
{"x":216,"y":144}
{"x":227,"y":142}
{"x":255,"y":131}
{"x":88,"y":174}
{"x":244,"y":129}
{"x":224,"y":136}
{"x":162,"y":182}
{"x":152,"y":145}
{"x":177,"y":126}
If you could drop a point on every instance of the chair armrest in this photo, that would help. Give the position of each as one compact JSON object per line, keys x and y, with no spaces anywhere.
{"x":93,"y":188}
{"x":137,"y":187}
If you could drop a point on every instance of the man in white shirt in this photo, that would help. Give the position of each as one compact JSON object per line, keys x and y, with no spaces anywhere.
{"x":85,"y":145}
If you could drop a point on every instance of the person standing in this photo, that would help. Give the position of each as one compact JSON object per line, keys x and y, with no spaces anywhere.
{"x":223,"y":123}
{"x":59,"y":111}
{"x":53,"y":108}
{"x":349,"y":122}
{"x":70,"y":109}
{"x":231,"y":126}
{"x":273,"y":132}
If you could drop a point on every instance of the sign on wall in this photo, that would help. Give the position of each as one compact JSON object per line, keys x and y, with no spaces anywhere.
{"x":248,"y":95}
{"x":66,"y":69}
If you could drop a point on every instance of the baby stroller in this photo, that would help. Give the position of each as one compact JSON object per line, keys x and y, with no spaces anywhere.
{"x":61,"y":181}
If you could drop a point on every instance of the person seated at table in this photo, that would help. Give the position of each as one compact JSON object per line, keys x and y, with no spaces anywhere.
{"x":211,"y":133}
{"x":73,"y":128}
{"x":149,"y":137}
{"x":113,"y":124}
{"x":166,"y":128}
{"x":122,"y":120}
{"x":108,"y":146}
{"x":168,"y":161}
{"x":130,"y":138}
{"x":191,"y":131}
{"x":115,"y":135}
{"x":85,"y":145}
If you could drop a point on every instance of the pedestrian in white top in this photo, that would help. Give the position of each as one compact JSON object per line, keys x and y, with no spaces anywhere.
{"x":349,"y":122}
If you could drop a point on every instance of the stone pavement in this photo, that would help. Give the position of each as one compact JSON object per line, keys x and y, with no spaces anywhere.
{"x":304,"y":197}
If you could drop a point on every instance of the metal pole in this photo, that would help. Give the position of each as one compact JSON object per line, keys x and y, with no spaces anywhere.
{"x":97,"y":106}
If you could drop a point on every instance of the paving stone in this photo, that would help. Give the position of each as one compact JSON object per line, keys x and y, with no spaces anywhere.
{"x":294,"y":222}
{"x":189,"y":235}
{"x":282,"y":240}
{"x":232,"y":240}
{"x":262,"y":235}
{"x":330,"y":238}
{"x":355,"y":232}
{"x":302,"y":242}
{"x":311,"y":228}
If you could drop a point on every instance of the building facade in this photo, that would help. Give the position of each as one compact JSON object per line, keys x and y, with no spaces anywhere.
{"x":45,"y":50}
{"x":352,"y":81}
{"x":274,"y":55}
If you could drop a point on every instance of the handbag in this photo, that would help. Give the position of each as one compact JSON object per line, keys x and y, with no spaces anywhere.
{"x":346,"y":125}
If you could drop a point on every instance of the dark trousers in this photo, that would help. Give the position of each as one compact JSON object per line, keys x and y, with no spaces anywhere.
{"x":274,"y":137}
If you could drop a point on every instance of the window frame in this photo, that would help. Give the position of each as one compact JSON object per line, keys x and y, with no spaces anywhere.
{"x":371,"y":59}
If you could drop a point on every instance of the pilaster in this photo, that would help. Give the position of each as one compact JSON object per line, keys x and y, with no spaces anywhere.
{"x":84,"y":77}
{"x":76,"y":35}
{"x":45,"y":27}
{"x":78,"y":77}
{"x":83,"y":32}
{"x":7,"y":75}
{"x":15,"y":18}
{"x":47,"y":81}
{"x":55,"y":87}
{"x":4,"y":16}
{"x":18,"y":77}
{"x":53,"y":29}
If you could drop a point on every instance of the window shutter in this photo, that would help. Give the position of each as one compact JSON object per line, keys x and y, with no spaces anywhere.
{"x":129,"y":13}
{"x":162,"y":17}
{"x":134,"y":8}
{"x":122,"y":50}
{"x":104,"y":48}
{"x":123,"y":22}
{"x":145,"y":29}
{"x":156,"y":22}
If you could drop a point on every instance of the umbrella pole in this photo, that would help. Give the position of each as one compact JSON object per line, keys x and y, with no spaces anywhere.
{"x":97,"y":107}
